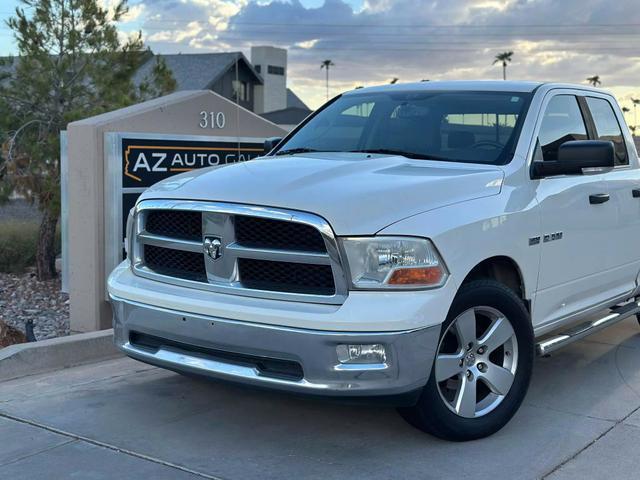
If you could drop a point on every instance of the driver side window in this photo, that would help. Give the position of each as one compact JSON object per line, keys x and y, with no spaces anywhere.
{"x":562,"y":122}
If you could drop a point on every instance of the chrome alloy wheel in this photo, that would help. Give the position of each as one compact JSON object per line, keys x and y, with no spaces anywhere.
{"x":476,"y":362}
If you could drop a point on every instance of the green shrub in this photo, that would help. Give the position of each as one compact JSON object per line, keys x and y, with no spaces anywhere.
{"x":18,"y":240}
{"x":18,"y":243}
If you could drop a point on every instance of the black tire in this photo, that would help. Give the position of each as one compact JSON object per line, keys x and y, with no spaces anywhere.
{"x":431,"y":414}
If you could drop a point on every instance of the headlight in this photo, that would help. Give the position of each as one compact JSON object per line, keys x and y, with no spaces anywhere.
{"x":394,"y":262}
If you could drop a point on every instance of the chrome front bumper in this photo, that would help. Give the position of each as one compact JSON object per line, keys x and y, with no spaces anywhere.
{"x":192,"y":344}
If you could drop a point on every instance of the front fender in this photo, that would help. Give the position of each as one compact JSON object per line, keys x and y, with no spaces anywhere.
{"x":469,"y":232}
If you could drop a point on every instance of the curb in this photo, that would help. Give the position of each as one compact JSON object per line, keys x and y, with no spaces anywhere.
{"x":38,"y":357}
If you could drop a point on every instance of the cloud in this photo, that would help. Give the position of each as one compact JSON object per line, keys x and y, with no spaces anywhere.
{"x":307,"y":43}
{"x":192,"y":31}
{"x":134,"y":13}
{"x":373,"y":41}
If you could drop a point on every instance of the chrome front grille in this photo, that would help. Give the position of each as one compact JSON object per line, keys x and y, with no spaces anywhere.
{"x":175,"y":263}
{"x":238,"y":249}
{"x":168,"y":223}
{"x":267,"y":233}
{"x":286,"y":276}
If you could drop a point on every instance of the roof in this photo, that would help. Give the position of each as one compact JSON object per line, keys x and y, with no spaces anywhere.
{"x":294,"y":101}
{"x":287,"y":116}
{"x":191,"y":71}
{"x":196,"y":71}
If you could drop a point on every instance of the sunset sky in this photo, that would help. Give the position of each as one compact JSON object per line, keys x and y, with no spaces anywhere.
{"x":373,"y":41}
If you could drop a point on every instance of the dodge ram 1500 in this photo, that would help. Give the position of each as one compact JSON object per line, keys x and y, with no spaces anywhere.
{"x":419,"y":243}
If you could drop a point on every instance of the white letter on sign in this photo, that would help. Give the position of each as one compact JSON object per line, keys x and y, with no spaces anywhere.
{"x":141,"y":162}
{"x":160,"y":157}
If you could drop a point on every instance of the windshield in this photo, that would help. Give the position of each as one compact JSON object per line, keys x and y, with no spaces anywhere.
{"x":477,"y":127}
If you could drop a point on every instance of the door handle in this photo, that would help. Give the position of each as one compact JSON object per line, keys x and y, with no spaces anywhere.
{"x":597,"y":198}
{"x":635,"y":192}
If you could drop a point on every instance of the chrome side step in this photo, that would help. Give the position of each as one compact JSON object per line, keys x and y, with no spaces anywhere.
{"x":557,"y":341}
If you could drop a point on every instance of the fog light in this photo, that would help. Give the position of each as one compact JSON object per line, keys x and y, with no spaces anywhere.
{"x":361,"y":353}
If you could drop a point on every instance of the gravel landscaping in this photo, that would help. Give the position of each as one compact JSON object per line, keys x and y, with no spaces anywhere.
{"x":24,"y":298}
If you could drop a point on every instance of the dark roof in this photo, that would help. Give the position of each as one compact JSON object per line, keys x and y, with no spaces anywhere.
{"x":293,"y":101}
{"x":287,"y":116}
{"x":197,"y":71}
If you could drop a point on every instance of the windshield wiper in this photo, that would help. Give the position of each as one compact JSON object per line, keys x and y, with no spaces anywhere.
{"x":293,"y":151}
{"x":390,"y":151}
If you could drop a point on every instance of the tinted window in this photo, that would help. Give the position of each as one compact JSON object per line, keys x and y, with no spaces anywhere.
{"x":275,"y":70}
{"x":607,"y":127}
{"x":480,"y":127}
{"x":562,"y":122}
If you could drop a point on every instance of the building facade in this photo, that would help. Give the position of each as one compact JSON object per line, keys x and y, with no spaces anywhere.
{"x":259,"y":85}
{"x":271,"y":64}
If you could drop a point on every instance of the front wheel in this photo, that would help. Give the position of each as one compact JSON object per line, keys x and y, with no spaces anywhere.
{"x":482,"y":367}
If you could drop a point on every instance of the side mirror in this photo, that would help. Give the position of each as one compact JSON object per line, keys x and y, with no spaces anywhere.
{"x":575,"y":155}
{"x":271,"y":143}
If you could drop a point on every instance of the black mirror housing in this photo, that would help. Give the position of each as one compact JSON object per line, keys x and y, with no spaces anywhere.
{"x":271,"y":143}
{"x":576,"y":155}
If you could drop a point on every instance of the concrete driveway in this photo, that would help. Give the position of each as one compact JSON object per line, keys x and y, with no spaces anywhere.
{"x":123,"y":419}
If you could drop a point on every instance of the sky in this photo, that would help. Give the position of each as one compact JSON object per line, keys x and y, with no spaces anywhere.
{"x":373,"y":41}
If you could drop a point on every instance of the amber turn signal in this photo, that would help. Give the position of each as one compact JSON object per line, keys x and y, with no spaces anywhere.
{"x":416,"y":276}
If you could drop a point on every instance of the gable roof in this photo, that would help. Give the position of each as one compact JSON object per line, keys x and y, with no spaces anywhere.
{"x":197,"y":71}
{"x":287,"y":116}
{"x":293,"y":101}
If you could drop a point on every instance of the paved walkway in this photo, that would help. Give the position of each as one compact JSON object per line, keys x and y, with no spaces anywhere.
{"x":123,"y":419}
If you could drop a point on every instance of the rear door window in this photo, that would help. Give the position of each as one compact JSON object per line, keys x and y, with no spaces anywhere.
{"x":607,"y":127}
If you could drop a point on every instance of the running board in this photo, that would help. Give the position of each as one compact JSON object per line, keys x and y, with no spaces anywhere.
{"x":551,"y":344}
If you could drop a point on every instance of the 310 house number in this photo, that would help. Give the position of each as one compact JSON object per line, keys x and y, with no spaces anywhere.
{"x":212,"y":120}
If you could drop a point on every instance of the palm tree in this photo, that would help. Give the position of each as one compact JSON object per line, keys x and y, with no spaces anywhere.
{"x":327,"y":64}
{"x":636,"y":102}
{"x":595,"y":80}
{"x":504,"y":58}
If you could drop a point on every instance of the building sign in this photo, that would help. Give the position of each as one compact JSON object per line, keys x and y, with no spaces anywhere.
{"x":147,"y":161}
{"x":137,"y":161}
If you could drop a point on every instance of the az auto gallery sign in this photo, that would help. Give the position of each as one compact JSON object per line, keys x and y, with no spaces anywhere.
{"x":137,"y":161}
{"x":147,"y":161}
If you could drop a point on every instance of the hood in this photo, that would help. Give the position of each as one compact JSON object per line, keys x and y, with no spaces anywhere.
{"x":357,"y":194}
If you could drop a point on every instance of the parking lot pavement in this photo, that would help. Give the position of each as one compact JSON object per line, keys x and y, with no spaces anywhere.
{"x":123,"y":419}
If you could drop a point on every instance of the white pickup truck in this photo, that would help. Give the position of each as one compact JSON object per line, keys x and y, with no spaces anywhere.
{"x":414,"y":243}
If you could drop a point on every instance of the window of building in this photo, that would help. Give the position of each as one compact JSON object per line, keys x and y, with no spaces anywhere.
{"x":607,"y":127}
{"x":274,"y":70}
{"x":241,"y":90}
{"x":562,"y":122}
{"x":258,"y":68}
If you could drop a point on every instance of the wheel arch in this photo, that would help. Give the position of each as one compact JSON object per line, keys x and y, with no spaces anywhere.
{"x":503,"y":269}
